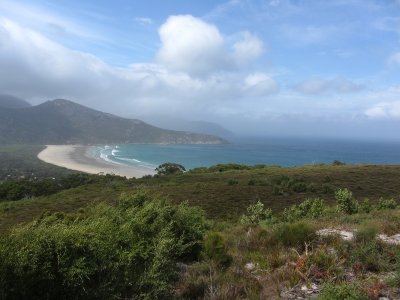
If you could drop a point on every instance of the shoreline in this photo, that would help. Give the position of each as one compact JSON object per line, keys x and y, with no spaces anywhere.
{"x":77,"y":157}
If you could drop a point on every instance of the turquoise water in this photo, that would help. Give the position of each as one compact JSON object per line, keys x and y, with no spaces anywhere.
{"x":284,"y":152}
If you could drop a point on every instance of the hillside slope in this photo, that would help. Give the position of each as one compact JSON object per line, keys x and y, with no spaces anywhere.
{"x":9,"y":101}
{"x":65,"y":122}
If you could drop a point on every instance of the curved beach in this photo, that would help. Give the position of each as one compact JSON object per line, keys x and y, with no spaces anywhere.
{"x":78,"y":158}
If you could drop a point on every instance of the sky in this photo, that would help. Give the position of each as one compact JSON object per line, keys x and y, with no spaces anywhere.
{"x":258,"y":67}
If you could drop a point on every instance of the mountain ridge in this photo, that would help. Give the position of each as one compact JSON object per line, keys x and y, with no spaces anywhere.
{"x":62,"y":121}
{"x":9,"y":101}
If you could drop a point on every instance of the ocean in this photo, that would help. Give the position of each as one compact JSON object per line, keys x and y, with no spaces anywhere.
{"x":251,"y":151}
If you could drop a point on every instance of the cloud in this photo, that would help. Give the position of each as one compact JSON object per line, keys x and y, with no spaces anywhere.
{"x":144,"y":20}
{"x":394,"y":59}
{"x":306,"y":35}
{"x":322,"y":86}
{"x":391,"y":24}
{"x":247,"y":49}
{"x":193,"y":46}
{"x":35,"y":17}
{"x":384,"y":110}
{"x":260,"y":84}
{"x":36,"y":68}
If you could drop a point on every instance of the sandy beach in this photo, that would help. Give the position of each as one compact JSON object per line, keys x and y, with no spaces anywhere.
{"x":77,"y":157}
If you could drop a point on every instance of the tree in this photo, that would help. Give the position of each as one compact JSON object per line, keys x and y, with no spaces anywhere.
{"x":170,"y":168}
{"x":346,"y":202}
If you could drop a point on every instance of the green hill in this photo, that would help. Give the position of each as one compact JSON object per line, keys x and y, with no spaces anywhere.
{"x":65,"y":122}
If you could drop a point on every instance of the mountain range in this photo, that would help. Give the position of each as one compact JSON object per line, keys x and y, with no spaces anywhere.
{"x":65,"y":122}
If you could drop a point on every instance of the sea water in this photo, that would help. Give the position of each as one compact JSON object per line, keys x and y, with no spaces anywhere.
{"x":251,"y":151}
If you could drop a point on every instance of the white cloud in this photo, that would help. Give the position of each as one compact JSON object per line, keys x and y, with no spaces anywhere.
{"x":144,"y":20}
{"x":260,"y":84}
{"x":247,"y":49}
{"x":384,"y":110}
{"x":305,"y":35}
{"x":193,"y":46}
{"x":394,"y":59}
{"x":320,"y":86}
{"x":35,"y":17}
{"x":34,"y":67}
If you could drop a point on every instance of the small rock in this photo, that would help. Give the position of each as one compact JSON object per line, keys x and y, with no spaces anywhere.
{"x":392,"y":240}
{"x":304,"y":288}
{"x":250,"y":266}
{"x":344,"y":234}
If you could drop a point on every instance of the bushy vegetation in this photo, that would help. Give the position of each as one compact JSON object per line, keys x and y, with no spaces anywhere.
{"x":310,"y":208}
{"x":12,"y":190}
{"x":125,"y":251}
{"x":140,"y":247}
{"x":256,"y":213}
{"x":345,"y":201}
{"x":386,"y":204}
{"x":21,"y":162}
{"x":169,"y":169}
{"x":294,"y":234}
{"x":216,"y":250}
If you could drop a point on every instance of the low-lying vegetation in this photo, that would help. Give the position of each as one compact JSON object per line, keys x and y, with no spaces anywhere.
{"x":21,"y":162}
{"x":142,"y":247}
{"x":261,"y":237}
{"x":129,"y":250}
{"x":283,"y":256}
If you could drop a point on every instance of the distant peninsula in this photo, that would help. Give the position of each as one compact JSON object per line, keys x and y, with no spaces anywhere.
{"x":65,"y":122}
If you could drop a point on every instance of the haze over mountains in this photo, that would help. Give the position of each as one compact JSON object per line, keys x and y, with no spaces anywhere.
{"x":65,"y":122}
{"x":9,"y":101}
{"x":179,"y":124}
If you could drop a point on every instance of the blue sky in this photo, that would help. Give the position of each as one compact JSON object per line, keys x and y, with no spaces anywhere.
{"x":264,"y":67}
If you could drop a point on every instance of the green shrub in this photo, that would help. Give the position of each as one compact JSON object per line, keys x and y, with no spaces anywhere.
{"x":256,"y":214}
{"x":310,"y":208}
{"x":127,"y":251}
{"x":294,"y":234}
{"x":327,"y":188}
{"x":170,"y":168}
{"x":345,"y":201}
{"x":343,"y":291}
{"x":228,"y":167}
{"x":214,"y":248}
{"x":276,"y":190}
{"x":365,"y":206}
{"x":299,"y":187}
{"x":311,"y":187}
{"x":386,"y":204}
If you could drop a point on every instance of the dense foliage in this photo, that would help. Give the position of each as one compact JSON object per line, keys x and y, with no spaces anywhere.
{"x":256,"y":213}
{"x":169,"y":169}
{"x":126,"y":251}
{"x":92,"y":252}
{"x":11,"y":190}
{"x":310,"y":208}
